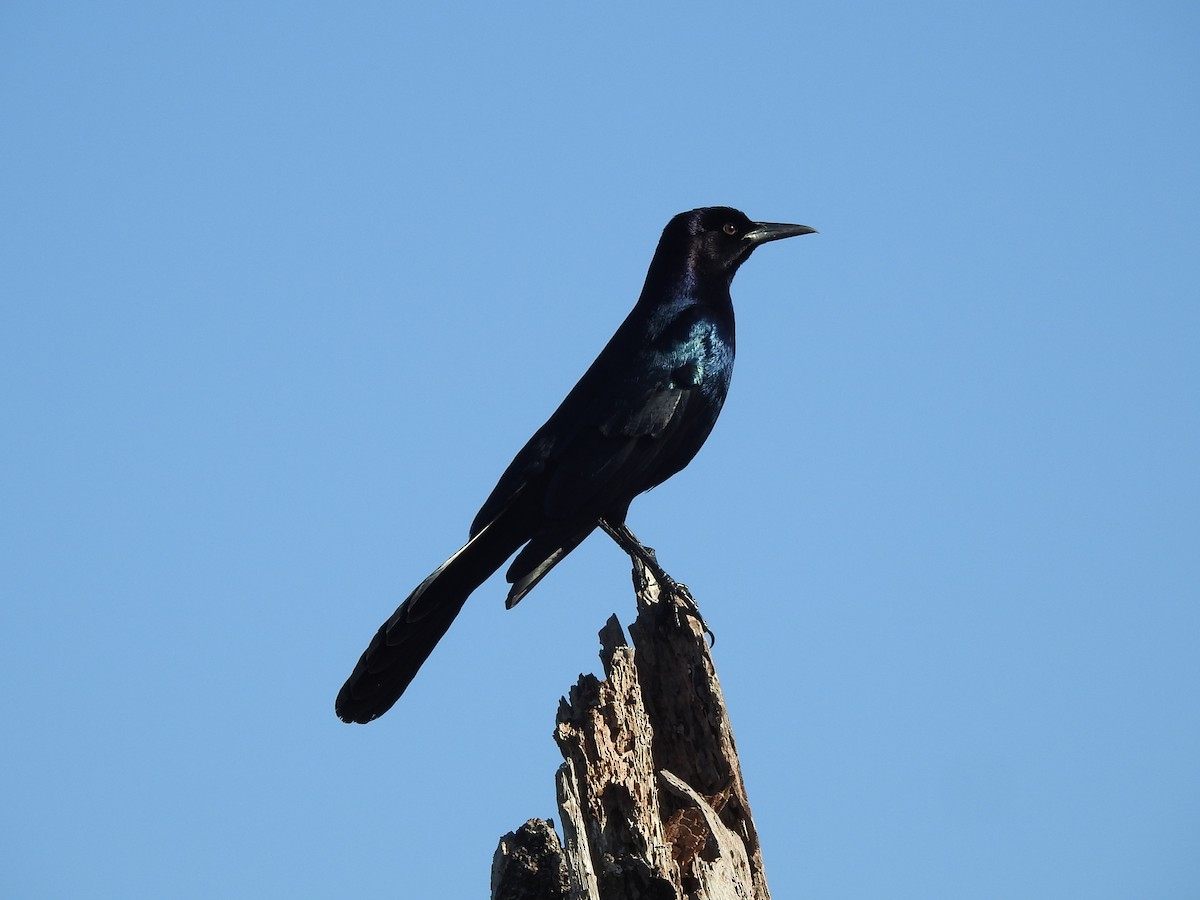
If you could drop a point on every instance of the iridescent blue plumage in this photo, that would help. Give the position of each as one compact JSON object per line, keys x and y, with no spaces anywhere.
{"x":637,"y":416}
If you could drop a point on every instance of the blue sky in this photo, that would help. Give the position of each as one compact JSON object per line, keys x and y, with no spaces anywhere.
{"x":284,"y":288}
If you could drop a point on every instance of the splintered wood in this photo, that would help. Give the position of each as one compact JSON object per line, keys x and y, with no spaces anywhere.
{"x":650,"y":792}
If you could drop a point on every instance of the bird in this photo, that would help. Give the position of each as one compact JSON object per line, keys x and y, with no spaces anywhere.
{"x":638,"y":415}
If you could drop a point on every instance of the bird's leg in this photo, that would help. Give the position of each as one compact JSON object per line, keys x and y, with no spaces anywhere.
{"x":628,"y":542}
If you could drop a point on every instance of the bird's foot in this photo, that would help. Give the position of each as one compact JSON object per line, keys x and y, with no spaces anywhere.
{"x":685,"y":602}
{"x":679,"y":593}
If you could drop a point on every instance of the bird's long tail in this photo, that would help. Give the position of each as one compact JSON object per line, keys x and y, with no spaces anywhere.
{"x":404,"y":641}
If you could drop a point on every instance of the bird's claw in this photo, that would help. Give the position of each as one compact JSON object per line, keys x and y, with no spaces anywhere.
{"x":648,"y":559}
{"x":684,"y":600}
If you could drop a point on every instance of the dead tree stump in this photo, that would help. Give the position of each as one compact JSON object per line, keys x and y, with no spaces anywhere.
{"x":650,"y":791}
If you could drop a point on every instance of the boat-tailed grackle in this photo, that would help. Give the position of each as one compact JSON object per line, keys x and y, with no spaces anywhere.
{"x":637,"y":416}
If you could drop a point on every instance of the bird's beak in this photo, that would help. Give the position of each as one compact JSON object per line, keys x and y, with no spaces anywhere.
{"x":762,"y":232}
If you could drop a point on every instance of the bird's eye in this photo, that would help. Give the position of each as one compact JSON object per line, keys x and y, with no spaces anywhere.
{"x":730,"y":229}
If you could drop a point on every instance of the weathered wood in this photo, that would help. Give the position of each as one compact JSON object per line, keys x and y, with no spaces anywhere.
{"x":529,"y":864}
{"x":694,"y":736}
{"x":650,"y":792}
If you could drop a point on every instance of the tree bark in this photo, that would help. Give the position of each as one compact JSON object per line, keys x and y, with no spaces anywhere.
{"x":650,"y":792}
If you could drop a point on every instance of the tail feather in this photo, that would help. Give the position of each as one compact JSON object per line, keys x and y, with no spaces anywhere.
{"x":405,"y":640}
{"x":538,"y":557}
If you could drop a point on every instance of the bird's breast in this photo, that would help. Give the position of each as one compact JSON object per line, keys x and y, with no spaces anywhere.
{"x":696,"y":351}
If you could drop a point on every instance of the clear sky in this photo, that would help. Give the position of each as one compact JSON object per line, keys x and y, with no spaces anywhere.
{"x":283,"y":287}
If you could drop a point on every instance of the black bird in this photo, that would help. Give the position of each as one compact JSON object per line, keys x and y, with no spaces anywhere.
{"x":637,"y":416}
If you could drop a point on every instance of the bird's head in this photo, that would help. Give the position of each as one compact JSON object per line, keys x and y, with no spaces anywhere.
{"x":715,"y":240}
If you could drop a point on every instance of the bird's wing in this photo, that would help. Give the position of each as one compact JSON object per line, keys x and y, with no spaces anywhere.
{"x":632,"y":446}
{"x":613,"y":438}
{"x":617,"y":455}
{"x":525,"y":467}
{"x":605,"y":454}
